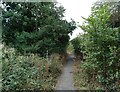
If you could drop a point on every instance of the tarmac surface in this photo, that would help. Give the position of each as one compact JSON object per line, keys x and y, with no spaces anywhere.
{"x":65,"y":81}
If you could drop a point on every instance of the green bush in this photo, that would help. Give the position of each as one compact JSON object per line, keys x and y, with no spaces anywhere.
{"x":28,"y":72}
{"x":78,"y":45}
{"x":101,"y":48}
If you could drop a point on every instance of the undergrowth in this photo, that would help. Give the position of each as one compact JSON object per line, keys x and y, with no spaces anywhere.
{"x":29,"y":72}
{"x":81,"y":81}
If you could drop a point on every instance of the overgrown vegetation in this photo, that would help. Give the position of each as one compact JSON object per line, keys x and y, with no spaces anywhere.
{"x":29,"y":72}
{"x":78,"y":47}
{"x":100,"y":46}
{"x":70,"y":48}
{"x":32,"y":33}
{"x":81,"y":80}
{"x":31,"y":30}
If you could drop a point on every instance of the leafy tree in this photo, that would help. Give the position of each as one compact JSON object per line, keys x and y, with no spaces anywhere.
{"x":101,"y":48}
{"x":115,"y":17}
{"x":36,"y":27}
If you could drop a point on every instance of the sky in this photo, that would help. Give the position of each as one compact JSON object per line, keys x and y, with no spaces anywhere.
{"x":75,"y":9}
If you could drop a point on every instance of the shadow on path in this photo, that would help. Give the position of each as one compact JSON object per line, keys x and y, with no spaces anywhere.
{"x":65,"y":82}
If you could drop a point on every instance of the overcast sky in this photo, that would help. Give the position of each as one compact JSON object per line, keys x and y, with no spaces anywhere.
{"x":75,"y":9}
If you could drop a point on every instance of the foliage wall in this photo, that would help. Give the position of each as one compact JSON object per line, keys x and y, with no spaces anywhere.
{"x":20,"y":72}
{"x":101,"y":48}
{"x":36,"y":27}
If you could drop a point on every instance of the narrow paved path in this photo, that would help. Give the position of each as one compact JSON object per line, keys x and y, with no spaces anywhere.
{"x":65,"y":82}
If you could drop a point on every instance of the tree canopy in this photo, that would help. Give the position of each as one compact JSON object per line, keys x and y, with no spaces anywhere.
{"x":36,"y":27}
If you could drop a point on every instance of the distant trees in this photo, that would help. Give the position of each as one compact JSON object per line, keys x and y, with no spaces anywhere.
{"x":36,"y":27}
{"x":77,"y":44}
